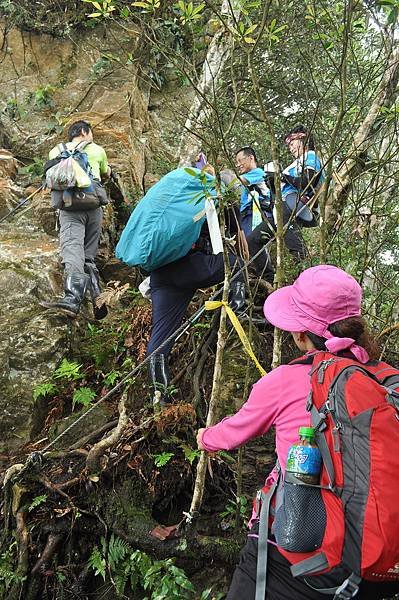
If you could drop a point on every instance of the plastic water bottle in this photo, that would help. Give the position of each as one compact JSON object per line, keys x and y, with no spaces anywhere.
{"x":300,"y":520}
{"x":304,"y":458}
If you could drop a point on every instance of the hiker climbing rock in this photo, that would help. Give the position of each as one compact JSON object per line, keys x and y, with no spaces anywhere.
{"x":299,"y":184}
{"x":73,"y":173}
{"x":169,"y":235}
{"x":358,"y":437}
{"x":255,"y":196}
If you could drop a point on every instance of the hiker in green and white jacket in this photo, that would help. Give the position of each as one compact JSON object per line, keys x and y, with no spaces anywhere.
{"x":80,"y":229}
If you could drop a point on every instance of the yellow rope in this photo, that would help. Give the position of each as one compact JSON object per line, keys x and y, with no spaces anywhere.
{"x":213,"y":305}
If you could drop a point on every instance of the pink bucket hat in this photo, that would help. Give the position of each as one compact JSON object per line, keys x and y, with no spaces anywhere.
{"x":319,"y":297}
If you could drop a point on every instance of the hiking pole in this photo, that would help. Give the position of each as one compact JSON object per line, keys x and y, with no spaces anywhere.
{"x":24,"y":201}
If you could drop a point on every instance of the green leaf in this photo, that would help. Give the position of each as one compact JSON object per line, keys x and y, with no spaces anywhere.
{"x":111,"y":377}
{"x":191,"y":172}
{"x":97,"y":562}
{"x":190,"y":454}
{"x":83,"y":396}
{"x":198,"y":9}
{"x":162,"y":459}
{"x":37,"y":501}
{"x":251,"y":29}
{"x":44,"y":389}
{"x":69,"y":370}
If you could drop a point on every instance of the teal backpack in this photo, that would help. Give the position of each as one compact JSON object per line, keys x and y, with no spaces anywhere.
{"x":167,"y":221}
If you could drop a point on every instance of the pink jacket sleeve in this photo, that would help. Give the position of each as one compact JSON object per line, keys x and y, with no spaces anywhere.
{"x":255,"y":417}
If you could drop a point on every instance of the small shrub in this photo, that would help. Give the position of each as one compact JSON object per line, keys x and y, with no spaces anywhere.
{"x":160,"y":579}
{"x":42,"y":96}
{"x":161,"y":460}
{"x":69,"y":370}
{"x":83,"y":396}
{"x":44,"y":389}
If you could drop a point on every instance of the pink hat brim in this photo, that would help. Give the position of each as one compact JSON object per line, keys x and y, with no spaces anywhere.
{"x":278,"y":310}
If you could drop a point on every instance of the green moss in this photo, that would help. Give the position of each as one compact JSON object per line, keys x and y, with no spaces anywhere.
{"x":98,"y":417}
{"x":130,"y":508}
{"x":234,"y":375}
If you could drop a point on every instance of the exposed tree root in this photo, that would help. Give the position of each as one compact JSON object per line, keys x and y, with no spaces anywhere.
{"x":97,"y":451}
{"x":50,"y":548}
{"x":87,"y":438}
{"x":23,"y":555}
{"x":201,"y":359}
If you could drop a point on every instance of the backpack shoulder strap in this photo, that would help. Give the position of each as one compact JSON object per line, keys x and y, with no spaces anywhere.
{"x":261,"y":566}
{"x":82,"y":145}
{"x":62,"y":148}
{"x":307,"y":359}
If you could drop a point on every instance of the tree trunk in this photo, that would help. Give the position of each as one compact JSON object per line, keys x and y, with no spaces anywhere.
{"x":363,"y":138}
{"x":216,"y":58}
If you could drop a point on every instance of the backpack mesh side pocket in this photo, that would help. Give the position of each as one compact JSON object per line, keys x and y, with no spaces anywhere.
{"x":301,"y":519}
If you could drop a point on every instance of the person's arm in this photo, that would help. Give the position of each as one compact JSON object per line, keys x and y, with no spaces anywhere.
{"x":306,"y":181}
{"x":255,"y":417}
{"x":252,"y":177}
{"x":54,"y":152}
{"x":105,"y":169}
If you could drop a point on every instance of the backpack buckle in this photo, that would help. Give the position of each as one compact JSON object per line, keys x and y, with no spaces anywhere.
{"x":348,"y":589}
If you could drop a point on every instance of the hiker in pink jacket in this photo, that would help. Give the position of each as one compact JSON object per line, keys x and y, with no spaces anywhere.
{"x":322,"y":312}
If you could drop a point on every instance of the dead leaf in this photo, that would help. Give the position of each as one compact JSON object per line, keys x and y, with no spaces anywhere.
{"x":62,"y":511}
{"x":112,"y":293}
{"x":162,"y":532}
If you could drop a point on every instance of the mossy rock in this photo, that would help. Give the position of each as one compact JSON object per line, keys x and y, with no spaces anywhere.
{"x":96,"y":419}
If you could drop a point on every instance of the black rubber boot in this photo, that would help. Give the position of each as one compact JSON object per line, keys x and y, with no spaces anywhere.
{"x":100,"y":312}
{"x":159,"y":372}
{"x":237,"y":296}
{"x":75,"y":287}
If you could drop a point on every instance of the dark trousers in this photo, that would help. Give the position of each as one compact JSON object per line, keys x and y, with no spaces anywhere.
{"x":264,"y":232}
{"x":172,"y":288}
{"x":246,"y":221}
{"x":256,"y":241}
{"x":280,"y":583}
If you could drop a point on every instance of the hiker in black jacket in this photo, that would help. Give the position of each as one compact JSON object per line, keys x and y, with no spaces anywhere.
{"x":174,"y":285}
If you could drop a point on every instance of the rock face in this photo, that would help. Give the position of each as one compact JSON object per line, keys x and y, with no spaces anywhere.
{"x":31,"y":344}
{"x":48,"y":83}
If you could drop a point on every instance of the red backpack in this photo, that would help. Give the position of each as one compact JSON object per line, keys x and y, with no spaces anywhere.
{"x":355,"y":412}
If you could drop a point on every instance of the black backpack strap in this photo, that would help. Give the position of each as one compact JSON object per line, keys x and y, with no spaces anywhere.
{"x":346,"y":591}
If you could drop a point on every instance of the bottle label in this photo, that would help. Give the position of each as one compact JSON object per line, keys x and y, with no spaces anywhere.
{"x":305,"y":460}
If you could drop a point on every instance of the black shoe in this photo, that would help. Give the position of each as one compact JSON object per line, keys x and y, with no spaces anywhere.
{"x":75,"y":287}
{"x":159,"y":373}
{"x":100,"y":312}
{"x":237,"y":296}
